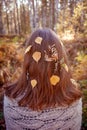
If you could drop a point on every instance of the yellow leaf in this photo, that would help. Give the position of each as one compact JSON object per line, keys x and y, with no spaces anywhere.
{"x":28,"y":49}
{"x":65,"y":66}
{"x":38,"y":40}
{"x":33,"y":83}
{"x":36,"y":56}
{"x":73,"y":82}
{"x":54,"y":79}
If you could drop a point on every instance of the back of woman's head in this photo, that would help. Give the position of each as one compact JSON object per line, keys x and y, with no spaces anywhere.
{"x":46,"y":79}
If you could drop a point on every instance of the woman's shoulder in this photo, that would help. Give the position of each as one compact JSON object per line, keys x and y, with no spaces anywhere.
{"x":51,"y":112}
{"x":9,"y":101}
{"x":75,"y":104}
{"x":8,"y":87}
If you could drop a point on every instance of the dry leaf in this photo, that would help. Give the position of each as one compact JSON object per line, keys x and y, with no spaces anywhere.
{"x":65,"y":66}
{"x":61,"y":43}
{"x":33,"y":83}
{"x":28,"y":49}
{"x":36,"y":56}
{"x":55,"y":57}
{"x":62,"y":61}
{"x":54,"y":79}
{"x":73,"y":82}
{"x":38,"y":40}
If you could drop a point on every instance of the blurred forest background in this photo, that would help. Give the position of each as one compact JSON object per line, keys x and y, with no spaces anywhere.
{"x":18,"y":18}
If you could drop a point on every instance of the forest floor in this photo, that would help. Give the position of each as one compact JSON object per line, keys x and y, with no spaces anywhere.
{"x":11,"y":57}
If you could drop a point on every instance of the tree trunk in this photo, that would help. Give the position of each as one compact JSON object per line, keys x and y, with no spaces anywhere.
{"x":1,"y":23}
{"x":53,"y":14}
{"x":18,"y":23}
{"x":43,"y":10}
{"x":14,"y":14}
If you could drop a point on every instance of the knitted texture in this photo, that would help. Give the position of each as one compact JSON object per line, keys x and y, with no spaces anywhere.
{"x":59,"y":118}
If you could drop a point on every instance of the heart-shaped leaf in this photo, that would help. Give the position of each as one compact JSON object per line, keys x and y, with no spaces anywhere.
{"x":36,"y":56}
{"x":33,"y":83}
{"x":38,"y":40}
{"x":54,"y":79}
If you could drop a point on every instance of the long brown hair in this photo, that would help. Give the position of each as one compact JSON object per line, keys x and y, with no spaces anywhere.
{"x":44,"y":94}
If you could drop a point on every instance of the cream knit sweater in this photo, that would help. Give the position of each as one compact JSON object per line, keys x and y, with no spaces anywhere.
{"x":60,"y":118}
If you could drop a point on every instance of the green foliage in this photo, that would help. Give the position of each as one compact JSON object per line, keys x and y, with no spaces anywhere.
{"x":75,"y":23}
{"x":81,"y":56}
{"x":84,"y":115}
{"x":1,"y":41}
{"x":64,"y":23}
{"x":84,"y":119}
{"x":80,"y":19}
{"x":11,"y":39}
{"x":85,"y":25}
{"x":15,"y":39}
{"x":80,"y":72}
{"x":83,"y":83}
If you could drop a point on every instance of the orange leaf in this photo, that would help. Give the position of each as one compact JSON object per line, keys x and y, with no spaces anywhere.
{"x":33,"y":83}
{"x":36,"y":56}
{"x":54,"y":79}
{"x":38,"y":40}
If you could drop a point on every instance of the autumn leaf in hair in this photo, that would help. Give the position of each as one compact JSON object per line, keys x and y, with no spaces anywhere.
{"x":73,"y":82}
{"x":54,"y":53}
{"x":33,"y":83}
{"x":65,"y":66}
{"x":62,"y":44}
{"x":54,"y":79}
{"x":28,"y":49}
{"x":38,"y":40}
{"x":62,"y":61}
{"x":36,"y":56}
